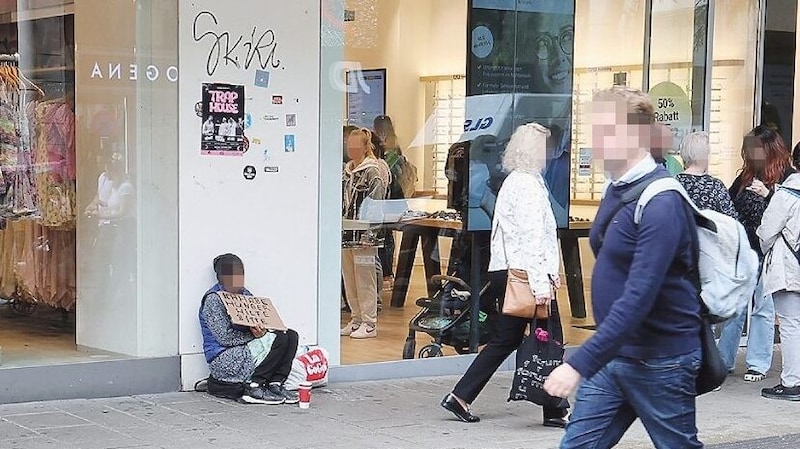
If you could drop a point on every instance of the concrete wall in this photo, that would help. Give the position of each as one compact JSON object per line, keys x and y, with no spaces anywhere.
{"x":272,"y":221}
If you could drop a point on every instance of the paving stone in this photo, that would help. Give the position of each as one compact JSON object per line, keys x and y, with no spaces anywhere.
{"x":196,"y":408}
{"x":33,"y":407}
{"x":46,"y":420}
{"x":105,"y":416}
{"x":9,"y":431}
{"x":82,"y":434}
{"x":34,"y":443}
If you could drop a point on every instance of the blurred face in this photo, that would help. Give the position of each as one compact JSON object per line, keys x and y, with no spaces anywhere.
{"x":755,"y":152}
{"x":614,"y":141}
{"x":115,"y":169}
{"x":553,"y":44}
{"x":356,"y":147}
{"x":662,"y":141}
{"x":232,"y":278}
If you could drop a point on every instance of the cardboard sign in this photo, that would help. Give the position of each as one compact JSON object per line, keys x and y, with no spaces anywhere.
{"x":252,"y":311}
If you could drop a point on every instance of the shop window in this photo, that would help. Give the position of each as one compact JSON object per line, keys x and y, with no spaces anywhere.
{"x":445,"y":112}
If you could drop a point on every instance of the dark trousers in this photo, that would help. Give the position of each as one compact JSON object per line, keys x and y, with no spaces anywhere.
{"x":507,"y":337}
{"x":386,"y":255}
{"x":278,"y":364}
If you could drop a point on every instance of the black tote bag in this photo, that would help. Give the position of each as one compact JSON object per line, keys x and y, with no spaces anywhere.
{"x":537,"y":357}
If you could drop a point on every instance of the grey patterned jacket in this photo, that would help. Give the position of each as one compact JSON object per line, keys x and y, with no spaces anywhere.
{"x":235,"y":363}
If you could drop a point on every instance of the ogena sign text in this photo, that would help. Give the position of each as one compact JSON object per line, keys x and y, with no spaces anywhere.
{"x":134,"y":72}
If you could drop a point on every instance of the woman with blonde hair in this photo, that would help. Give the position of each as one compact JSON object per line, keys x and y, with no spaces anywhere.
{"x":523,"y":238}
{"x":364,"y":177}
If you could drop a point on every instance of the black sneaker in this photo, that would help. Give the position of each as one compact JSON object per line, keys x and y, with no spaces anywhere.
{"x":781,"y":392}
{"x":254,"y":394}
{"x":290,"y":397}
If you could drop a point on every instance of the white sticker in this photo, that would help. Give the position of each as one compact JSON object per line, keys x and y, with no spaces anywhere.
{"x":482,"y":41}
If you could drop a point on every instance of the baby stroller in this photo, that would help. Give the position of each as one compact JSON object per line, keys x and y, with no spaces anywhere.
{"x":446,"y":317}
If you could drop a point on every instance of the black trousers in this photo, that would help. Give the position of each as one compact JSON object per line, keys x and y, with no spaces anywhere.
{"x":507,"y":337}
{"x":386,"y":255}
{"x":278,"y":364}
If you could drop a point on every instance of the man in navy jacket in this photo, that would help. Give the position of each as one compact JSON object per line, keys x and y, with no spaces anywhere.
{"x":644,"y":359}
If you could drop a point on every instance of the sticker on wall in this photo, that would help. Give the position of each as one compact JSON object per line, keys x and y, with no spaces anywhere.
{"x":223,"y":120}
{"x":198,"y":108}
{"x":270,"y":118}
{"x":271,"y":169}
{"x":288,"y":143}
{"x":482,"y":41}
{"x":277,"y":99}
{"x":248,"y":120}
{"x":245,"y":144}
{"x":262,"y":79}
{"x":291,"y":119}
{"x":266,"y":155}
{"x":249,"y":172}
{"x":256,"y":141}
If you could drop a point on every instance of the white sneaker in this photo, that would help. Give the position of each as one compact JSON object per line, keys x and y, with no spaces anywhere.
{"x":348,"y":329}
{"x":365,"y":331}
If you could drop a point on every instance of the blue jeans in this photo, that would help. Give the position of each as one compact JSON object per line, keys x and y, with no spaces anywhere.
{"x":660,"y":391}
{"x":760,"y":338}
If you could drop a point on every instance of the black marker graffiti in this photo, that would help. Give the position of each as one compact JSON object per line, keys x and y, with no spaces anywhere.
{"x":260,"y":46}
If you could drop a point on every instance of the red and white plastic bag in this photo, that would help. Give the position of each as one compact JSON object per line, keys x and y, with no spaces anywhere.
{"x":310,"y":365}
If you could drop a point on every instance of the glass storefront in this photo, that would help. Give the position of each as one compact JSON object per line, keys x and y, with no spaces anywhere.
{"x":454,"y":94}
{"x":113,"y":204}
{"x":89,"y":95}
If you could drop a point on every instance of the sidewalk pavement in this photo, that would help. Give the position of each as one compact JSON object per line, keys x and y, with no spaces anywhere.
{"x":401,"y":413}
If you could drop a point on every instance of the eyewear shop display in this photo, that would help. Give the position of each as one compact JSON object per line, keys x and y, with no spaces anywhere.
{"x":526,"y":61}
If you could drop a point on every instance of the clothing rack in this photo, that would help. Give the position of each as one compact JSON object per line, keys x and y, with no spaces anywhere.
{"x":38,"y":241}
{"x":9,"y":58}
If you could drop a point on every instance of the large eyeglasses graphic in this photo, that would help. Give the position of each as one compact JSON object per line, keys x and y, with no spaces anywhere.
{"x":545,"y":44}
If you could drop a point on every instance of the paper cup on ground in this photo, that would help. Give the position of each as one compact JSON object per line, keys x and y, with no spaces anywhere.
{"x":305,"y":394}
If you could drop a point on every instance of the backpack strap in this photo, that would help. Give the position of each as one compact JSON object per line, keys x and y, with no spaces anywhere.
{"x":633,"y":194}
{"x":664,"y":185}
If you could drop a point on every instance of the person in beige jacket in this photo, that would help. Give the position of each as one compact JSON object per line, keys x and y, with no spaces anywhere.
{"x":779,"y":235}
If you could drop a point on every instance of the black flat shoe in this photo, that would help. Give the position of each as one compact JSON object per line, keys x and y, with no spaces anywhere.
{"x":555,"y":422}
{"x":451,"y":404}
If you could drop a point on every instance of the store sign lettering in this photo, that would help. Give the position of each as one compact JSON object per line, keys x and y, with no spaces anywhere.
{"x":481,"y":123}
{"x":229,"y":49}
{"x":133,"y":72}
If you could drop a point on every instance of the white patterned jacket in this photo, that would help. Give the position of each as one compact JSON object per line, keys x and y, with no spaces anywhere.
{"x":524,"y":231}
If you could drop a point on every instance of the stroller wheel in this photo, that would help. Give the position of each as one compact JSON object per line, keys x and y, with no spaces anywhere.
{"x":409,"y":348}
{"x":432,"y":350}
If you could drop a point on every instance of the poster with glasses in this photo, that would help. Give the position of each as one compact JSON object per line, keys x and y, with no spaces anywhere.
{"x":519,"y":71}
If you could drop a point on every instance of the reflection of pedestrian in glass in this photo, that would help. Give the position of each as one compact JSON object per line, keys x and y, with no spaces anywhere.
{"x":114,"y":239}
{"x":485,"y":177}
{"x":114,"y":198}
{"x":208,"y":127}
